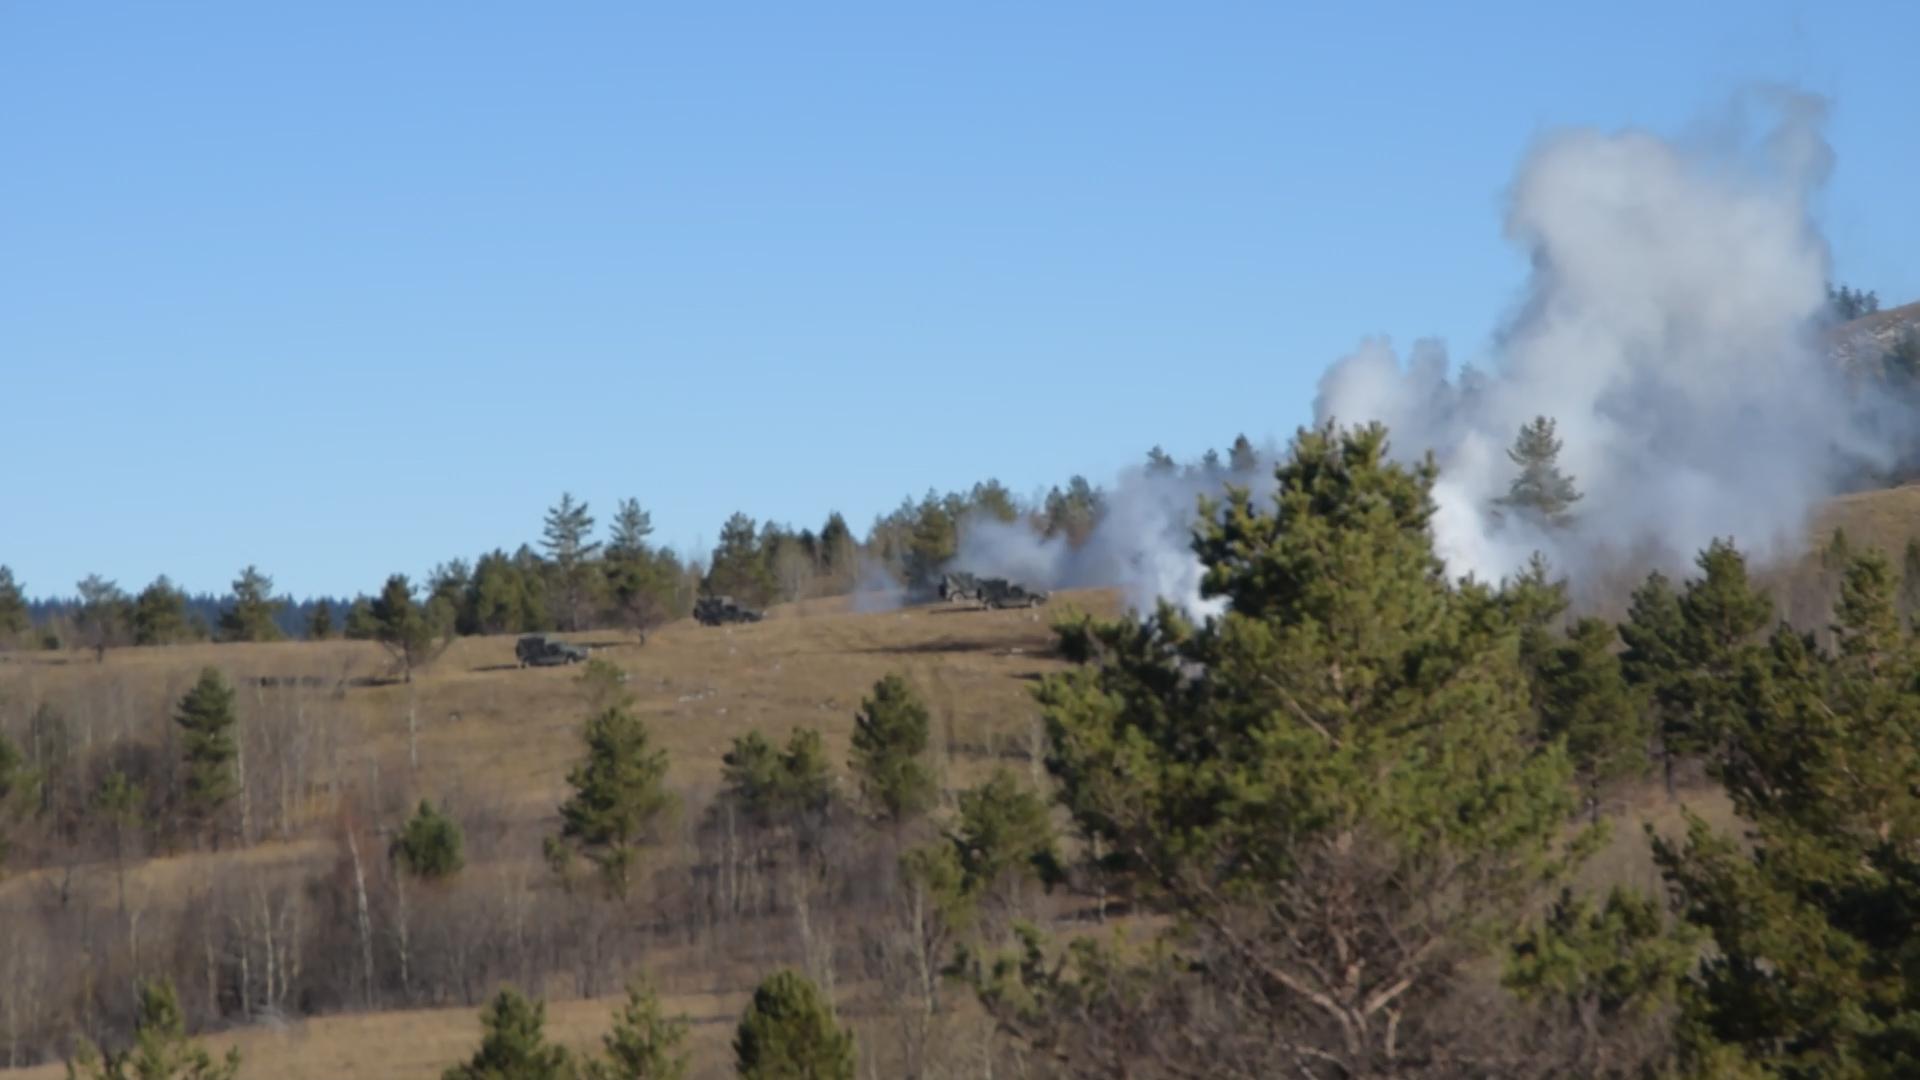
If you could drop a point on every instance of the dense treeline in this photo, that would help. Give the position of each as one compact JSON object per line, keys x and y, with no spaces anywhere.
{"x":102,"y":613}
{"x":1847,"y":303}
{"x":1342,"y":830}
{"x":572,"y":580}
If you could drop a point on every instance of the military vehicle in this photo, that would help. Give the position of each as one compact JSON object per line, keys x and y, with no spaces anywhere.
{"x":988,"y":592}
{"x":714,"y":610}
{"x":959,"y":587}
{"x":541,"y":650}
{"x":1001,"y":593}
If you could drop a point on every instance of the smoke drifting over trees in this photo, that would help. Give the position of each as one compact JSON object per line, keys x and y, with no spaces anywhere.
{"x":1668,"y":329}
{"x":1669,"y":333}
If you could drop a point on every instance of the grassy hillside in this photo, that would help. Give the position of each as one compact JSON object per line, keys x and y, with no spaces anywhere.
{"x":328,"y":727}
{"x":494,"y":741}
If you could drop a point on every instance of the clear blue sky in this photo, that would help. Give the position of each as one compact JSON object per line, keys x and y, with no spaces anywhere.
{"x":349,"y":288}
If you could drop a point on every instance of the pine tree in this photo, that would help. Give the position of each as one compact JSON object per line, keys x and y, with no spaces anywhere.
{"x":360,"y":624}
{"x":1684,"y":651}
{"x":160,"y":614}
{"x":1004,"y":834}
{"x":430,"y":845}
{"x":619,"y":797}
{"x":1536,"y":602}
{"x":1585,"y":700}
{"x":1541,"y":492}
{"x":14,"y":617}
{"x":889,"y":752}
{"x":253,"y":613}
{"x":206,"y":719}
{"x":1306,"y":785}
{"x":505,"y":597}
{"x":631,"y":528}
{"x":320,"y":621}
{"x":1722,"y":614}
{"x":449,"y":597}
{"x":1241,"y":456}
{"x":513,"y":1044}
{"x":407,"y":630}
{"x":1810,"y":909}
{"x":1651,"y":660}
{"x":640,"y":581}
{"x":103,"y":614}
{"x":779,"y":788}
{"x":161,"y":1049}
{"x":991,"y":501}
{"x":564,"y":535}
{"x":838,"y":550}
{"x":789,"y":1033}
{"x":1073,"y":512}
{"x":1160,"y":463}
{"x":19,"y":792}
{"x":1605,"y":973}
{"x":1849,"y":303}
{"x":644,"y":1044}
{"x":737,"y":570}
{"x":933,"y":541}
{"x":1909,"y":596}
{"x":117,"y":802}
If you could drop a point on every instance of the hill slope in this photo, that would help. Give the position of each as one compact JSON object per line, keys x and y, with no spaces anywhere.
{"x":494,"y":741}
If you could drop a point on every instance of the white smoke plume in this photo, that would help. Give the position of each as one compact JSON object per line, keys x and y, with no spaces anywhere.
{"x":1667,"y":327}
{"x":1142,"y":544}
{"x":875,"y":589}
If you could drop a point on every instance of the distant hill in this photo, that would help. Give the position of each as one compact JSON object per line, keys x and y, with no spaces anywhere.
{"x":1860,"y":345}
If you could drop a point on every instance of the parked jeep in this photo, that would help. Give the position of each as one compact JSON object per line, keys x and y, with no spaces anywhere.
{"x":541,"y":650}
{"x":1001,"y":593}
{"x":714,"y":610}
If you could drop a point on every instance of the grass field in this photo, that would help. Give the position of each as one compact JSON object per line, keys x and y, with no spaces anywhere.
{"x":490,"y":735}
{"x":423,"y":1042}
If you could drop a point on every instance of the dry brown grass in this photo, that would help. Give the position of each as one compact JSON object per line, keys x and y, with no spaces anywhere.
{"x":417,"y":1044}
{"x":492,"y":733}
{"x":487,"y":724}
{"x":1882,"y":519}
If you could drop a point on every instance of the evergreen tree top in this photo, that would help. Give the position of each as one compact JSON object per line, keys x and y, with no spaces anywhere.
{"x":513,"y":1044}
{"x":430,"y":845}
{"x":208,"y":706}
{"x":644,"y":1043}
{"x":779,"y":786}
{"x":789,"y":1033}
{"x":1541,"y":490}
{"x":631,"y":527}
{"x":161,"y":1049}
{"x":889,"y":738}
{"x":565,"y":530}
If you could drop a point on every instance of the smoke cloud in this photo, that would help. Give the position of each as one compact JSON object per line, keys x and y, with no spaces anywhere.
{"x":1142,"y":544}
{"x":1669,"y":328}
{"x":1668,"y":325}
